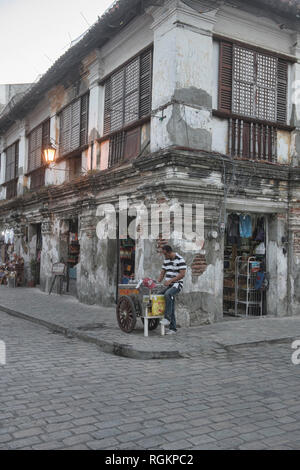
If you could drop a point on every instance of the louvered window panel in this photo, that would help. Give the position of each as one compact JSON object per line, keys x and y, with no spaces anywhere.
{"x":117,"y":100}
{"x":74,"y":126}
{"x":35,"y":148}
{"x":225,"y":77}
{"x":282,"y":84}
{"x":128,"y":93}
{"x":145,"y":83}
{"x":84,"y":120}
{"x":12,"y":162}
{"x":107,"y":108}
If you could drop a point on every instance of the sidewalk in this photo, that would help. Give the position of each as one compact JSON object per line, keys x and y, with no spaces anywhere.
{"x":64,"y":314}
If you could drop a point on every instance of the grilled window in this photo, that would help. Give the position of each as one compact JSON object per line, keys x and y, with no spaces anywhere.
{"x":252,"y":84}
{"x":74,"y":125}
{"x":39,"y":139}
{"x":12,"y":162}
{"x":128,"y":93}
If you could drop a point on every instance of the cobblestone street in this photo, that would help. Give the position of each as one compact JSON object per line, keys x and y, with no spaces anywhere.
{"x":61,"y":393}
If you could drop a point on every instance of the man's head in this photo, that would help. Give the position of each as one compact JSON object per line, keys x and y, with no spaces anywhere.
{"x":167,"y":251}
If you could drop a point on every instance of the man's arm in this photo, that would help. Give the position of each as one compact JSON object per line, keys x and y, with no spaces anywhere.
{"x":161,"y":276}
{"x":177,"y":278}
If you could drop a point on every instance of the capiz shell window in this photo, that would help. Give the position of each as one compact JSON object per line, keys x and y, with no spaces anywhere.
{"x":252,"y":83}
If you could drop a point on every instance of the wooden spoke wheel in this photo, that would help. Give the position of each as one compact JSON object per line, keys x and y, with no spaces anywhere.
{"x":152,"y":323}
{"x":126,"y":314}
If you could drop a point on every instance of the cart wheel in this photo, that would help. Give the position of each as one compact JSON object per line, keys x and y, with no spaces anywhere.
{"x":152,"y":323}
{"x":126,"y":314}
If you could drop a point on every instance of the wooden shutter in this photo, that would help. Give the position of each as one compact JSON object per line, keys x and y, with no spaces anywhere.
{"x":46,"y":135}
{"x":12,"y":162}
{"x":107,"y":106}
{"x":145,"y":83}
{"x":131,"y":98}
{"x":117,"y":100}
{"x":8,"y":166}
{"x":132,"y":143}
{"x":282,"y":91}
{"x":16,"y":166}
{"x":65,"y":130}
{"x":84,"y":119}
{"x":75,"y":126}
{"x":35,"y":148}
{"x":225,"y":77}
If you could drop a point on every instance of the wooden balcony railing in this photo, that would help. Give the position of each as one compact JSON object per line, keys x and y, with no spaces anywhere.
{"x":37,"y":178}
{"x":12,"y":189}
{"x":253,"y":140}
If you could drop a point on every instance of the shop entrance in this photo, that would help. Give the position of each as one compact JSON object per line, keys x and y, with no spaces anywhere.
{"x":73,"y":256}
{"x":245,"y":277}
{"x":126,"y":269}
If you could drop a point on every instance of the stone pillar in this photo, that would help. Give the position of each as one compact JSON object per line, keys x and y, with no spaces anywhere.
{"x":96,"y":272}
{"x":295,"y":111}
{"x":182,"y":77}
{"x":47,"y":252}
{"x":294,"y":243}
{"x":277,"y":265}
{"x":22,"y":182}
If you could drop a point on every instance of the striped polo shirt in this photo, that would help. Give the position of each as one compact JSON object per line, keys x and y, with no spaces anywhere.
{"x":172,"y":268}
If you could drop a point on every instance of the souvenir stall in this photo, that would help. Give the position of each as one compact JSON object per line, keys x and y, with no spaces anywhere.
{"x":245,"y":277}
{"x":127,"y":260}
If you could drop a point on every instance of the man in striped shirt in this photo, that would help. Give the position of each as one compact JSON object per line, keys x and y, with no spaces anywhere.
{"x":173,"y":269}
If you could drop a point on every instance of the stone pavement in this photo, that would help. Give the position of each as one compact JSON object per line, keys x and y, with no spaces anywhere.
{"x":98,"y":325}
{"x":62,"y":393}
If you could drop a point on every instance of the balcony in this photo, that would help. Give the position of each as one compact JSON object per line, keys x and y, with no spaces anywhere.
{"x":252,"y":139}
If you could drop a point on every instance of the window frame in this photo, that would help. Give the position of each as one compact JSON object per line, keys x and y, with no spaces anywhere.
{"x":83,"y":123}
{"x":106,"y":83}
{"x":226,"y":73}
{"x":14,"y":165}
{"x":45,"y":141}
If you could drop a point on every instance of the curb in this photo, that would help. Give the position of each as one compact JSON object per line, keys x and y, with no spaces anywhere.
{"x":114,"y":348}
{"x":252,"y":344}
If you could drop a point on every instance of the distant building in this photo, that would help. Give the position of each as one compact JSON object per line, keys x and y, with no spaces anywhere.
{"x":9,"y":92}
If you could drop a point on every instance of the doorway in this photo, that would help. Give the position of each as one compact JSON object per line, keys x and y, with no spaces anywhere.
{"x":245,"y":277}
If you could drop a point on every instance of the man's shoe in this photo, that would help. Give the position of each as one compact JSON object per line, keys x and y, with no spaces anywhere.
{"x":171,"y":332}
{"x":164,"y":322}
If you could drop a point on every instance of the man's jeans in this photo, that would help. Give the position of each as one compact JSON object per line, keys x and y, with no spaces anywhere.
{"x":170,"y":306}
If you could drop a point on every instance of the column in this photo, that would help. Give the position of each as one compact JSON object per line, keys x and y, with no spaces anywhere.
{"x":182,"y":78}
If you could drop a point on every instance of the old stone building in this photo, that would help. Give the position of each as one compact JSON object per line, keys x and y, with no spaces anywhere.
{"x":164,"y":101}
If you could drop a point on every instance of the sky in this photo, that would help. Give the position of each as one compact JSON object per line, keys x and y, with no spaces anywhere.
{"x":34,"y":33}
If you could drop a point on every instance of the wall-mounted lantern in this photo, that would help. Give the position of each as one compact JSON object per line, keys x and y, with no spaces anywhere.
{"x":49,"y":154}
